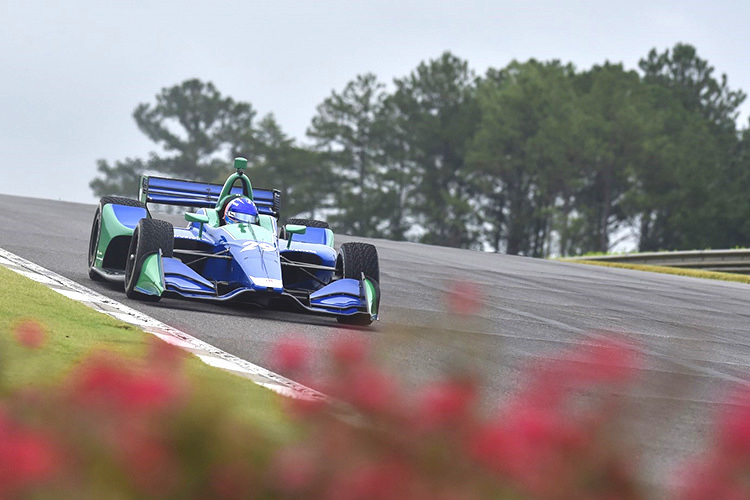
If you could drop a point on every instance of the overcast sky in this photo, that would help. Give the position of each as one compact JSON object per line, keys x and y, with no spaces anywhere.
{"x":73,"y":71}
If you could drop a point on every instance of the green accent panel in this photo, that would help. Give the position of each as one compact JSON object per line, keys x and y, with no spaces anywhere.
{"x":329,"y":237}
{"x":240,"y":163}
{"x":373,"y":301}
{"x":227,"y":189}
{"x":111,"y":228}
{"x":195,"y":217}
{"x":151,"y":280}
{"x":213,"y":217}
{"x":266,"y":221}
{"x":250,"y":232}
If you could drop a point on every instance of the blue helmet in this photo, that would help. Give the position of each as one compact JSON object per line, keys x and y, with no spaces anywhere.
{"x":241,"y":210}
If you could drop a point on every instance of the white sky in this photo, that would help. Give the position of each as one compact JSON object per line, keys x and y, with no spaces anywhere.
{"x":72,"y":72}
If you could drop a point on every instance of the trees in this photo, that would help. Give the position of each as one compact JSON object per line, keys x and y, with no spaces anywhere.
{"x":534,"y":158}
{"x":346,"y":131}
{"x":193,"y":125}
{"x":280,"y":164}
{"x":693,"y":169}
{"x":436,"y":111}
{"x":521,"y":153}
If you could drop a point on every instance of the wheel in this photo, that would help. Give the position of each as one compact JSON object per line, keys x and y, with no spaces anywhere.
{"x":150,"y":236}
{"x":353,"y":260}
{"x":308,"y":222}
{"x":96,"y":228}
{"x":302,"y":222}
{"x":357,"y":258}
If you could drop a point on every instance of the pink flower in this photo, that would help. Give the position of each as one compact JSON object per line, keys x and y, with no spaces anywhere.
{"x":349,"y":349}
{"x":446,"y":402}
{"x":105,"y":383}
{"x":371,"y":390}
{"x":27,"y":458}
{"x":290,"y":354}
{"x":463,"y":298}
{"x":30,"y":334}
{"x":295,"y":469}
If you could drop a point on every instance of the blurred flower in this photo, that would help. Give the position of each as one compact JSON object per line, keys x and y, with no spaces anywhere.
{"x":463,"y":298}
{"x":446,"y":402}
{"x":348,"y":349}
{"x":290,"y":354}
{"x":27,"y":458}
{"x":294,"y":469}
{"x":107,"y":383}
{"x":30,"y":333}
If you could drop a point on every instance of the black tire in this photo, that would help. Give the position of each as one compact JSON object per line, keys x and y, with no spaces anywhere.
{"x":150,"y":236}
{"x":353,"y":260}
{"x":96,"y":228}
{"x":308,"y":222}
{"x":357,"y":258}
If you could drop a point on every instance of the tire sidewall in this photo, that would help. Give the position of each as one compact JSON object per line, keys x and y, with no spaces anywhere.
{"x":132,"y":264}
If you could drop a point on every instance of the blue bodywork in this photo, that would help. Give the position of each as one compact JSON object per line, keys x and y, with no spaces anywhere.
{"x":249,"y":262}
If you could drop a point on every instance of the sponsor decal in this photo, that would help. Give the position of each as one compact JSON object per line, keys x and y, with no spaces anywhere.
{"x":252,"y":245}
{"x":267,"y":282}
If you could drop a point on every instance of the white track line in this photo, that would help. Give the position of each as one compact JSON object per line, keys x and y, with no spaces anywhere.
{"x":207,"y":353}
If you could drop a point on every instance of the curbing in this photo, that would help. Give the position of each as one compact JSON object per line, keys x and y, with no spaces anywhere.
{"x":207,"y":353}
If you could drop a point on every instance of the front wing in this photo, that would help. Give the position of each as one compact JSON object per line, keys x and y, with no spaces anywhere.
{"x":344,"y":297}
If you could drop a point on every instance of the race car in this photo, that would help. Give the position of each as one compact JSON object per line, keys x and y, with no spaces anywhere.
{"x":214,"y":258}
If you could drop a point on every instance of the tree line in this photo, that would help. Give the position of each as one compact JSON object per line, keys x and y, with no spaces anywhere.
{"x":536,"y":158}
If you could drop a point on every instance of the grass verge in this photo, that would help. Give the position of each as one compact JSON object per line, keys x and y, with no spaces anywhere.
{"x":693,"y":273}
{"x":74,"y":331}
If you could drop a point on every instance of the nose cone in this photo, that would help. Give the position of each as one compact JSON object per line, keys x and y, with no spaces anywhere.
{"x":259,"y":263}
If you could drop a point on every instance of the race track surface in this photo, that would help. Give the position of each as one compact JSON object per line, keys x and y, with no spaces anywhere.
{"x":695,"y":333}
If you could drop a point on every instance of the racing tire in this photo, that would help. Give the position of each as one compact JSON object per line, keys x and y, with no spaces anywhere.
{"x":96,"y":228}
{"x":353,"y":260}
{"x":149,"y":236}
{"x":302,"y":222}
{"x":356,"y":258}
{"x":308,"y":222}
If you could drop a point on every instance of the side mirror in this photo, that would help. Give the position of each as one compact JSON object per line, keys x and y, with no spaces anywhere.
{"x":292,"y":229}
{"x":193,"y":217}
{"x":200,"y":218}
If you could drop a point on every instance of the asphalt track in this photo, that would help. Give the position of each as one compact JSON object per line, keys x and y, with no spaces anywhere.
{"x":695,"y":333}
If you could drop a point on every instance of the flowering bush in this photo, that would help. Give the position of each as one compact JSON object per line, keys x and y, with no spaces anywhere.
{"x":116,"y":428}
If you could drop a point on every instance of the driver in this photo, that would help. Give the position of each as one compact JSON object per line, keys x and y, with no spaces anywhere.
{"x":241,"y":210}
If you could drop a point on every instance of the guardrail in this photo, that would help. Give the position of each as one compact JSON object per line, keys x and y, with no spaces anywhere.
{"x":727,"y":261}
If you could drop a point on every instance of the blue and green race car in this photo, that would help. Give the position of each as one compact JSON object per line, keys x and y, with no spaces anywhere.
{"x":291,"y":266}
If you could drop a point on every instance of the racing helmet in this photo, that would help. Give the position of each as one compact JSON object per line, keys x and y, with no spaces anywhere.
{"x":241,"y":210}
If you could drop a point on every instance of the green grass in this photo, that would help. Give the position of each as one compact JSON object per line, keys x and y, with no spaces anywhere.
{"x":75,"y":331}
{"x":693,"y":273}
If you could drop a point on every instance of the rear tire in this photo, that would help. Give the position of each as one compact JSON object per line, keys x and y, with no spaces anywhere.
{"x":308,"y":222}
{"x":302,"y":222}
{"x":150,"y":236}
{"x":96,"y":228}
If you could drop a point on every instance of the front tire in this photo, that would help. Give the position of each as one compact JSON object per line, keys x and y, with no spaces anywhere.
{"x":149,"y":237}
{"x":355,"y":259}
{"x":96,"y":228}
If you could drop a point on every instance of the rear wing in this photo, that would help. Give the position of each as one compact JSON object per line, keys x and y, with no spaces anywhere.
{"x":168,"y":191}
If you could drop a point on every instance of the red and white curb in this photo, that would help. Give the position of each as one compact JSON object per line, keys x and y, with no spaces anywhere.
{"x":209,"y":354}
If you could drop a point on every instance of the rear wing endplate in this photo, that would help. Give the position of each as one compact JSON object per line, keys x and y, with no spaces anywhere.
{"x":168,"y":191}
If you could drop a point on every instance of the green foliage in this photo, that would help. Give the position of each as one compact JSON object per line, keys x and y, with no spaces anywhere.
{"x":536,"y":158}
{"x":436,"y":113}
{"x":347,"y":132}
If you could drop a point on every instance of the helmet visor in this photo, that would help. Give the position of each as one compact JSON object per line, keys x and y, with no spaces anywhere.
{"x":236,"y":217}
